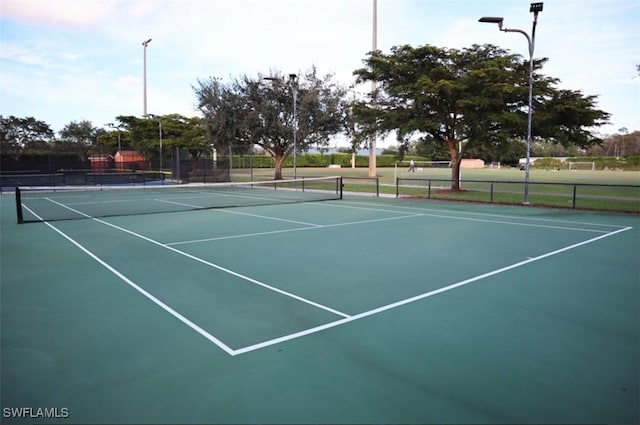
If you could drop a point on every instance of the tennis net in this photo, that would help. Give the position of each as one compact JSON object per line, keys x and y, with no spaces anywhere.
{"x":34,"y":204}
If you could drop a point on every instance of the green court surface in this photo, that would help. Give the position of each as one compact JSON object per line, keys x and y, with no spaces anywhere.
{"x":360,"y":310}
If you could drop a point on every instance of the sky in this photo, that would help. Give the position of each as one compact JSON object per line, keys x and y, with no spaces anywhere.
{"x":72,"y":60}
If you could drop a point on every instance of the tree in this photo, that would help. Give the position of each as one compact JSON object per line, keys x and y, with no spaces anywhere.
{"x":473,"y":99}
{"x":248,"y":112}
{"x":143,"y":135}
{"x":185,"y":133}
{"x":79,"y":137}
{"x":19,"y":134}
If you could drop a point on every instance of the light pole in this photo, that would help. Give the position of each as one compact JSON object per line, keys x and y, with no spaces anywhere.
{"x":294,"y":91}
{"x":535,"y":8}
{"x":159,"y":119}
{"x":144,"y":76}
{"x":372,"y":143}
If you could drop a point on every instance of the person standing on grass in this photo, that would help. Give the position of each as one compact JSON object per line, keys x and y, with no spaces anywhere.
{"x":412,"y":166}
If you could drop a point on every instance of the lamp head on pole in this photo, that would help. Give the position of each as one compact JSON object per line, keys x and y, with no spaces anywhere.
{"x":492,"y":20}
{"x":536,"y":7}
{"x":146,"y":42}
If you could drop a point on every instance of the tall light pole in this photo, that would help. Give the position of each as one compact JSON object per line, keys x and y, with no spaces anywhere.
{"x":159,"y":119}
{"x":372,"y":142}
{"x":144,"y":76}
{"x":535,"y":8}
{"x":294,"y":90}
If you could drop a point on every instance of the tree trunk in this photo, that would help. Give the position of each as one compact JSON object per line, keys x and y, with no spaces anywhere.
{"x":456,"y":158}
{"x":279,"y":159}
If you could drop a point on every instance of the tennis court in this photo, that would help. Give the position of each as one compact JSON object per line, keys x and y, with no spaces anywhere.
{"x":352,"y":310}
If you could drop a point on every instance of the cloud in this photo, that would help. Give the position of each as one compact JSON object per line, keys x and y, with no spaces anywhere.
{"x":59,"y":12}
{"x":86,"y":58}
{"x":23,"y":55}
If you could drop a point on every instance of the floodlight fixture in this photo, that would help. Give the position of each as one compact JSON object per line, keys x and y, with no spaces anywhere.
{"x":492,"y":20}
{"x":536,"y":7}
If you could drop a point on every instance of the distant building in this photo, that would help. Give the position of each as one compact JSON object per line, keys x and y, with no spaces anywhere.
{"x":472,"y":163}
{"x":100,"y":162}
{"x":129,"y":161}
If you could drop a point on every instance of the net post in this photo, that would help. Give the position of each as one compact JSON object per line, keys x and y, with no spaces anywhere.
{"x":341,"y":186}
{"x":19,"y":206}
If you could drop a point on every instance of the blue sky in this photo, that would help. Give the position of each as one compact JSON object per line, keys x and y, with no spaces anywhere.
{"x":73,"y":60}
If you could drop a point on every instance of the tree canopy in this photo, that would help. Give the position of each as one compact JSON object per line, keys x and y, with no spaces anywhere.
{"x":20,"y":134}
{"x":466,"y":99}
{"x":260,"y":111}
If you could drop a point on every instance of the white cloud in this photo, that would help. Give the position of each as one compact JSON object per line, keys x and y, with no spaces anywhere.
{"x":88,"y":60}
{"x":59,"y":12}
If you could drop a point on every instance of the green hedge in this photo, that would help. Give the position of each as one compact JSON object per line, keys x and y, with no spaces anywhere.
{"x":610,"y":162}
{"x":631,"y":163}
{"x":319,"y":160}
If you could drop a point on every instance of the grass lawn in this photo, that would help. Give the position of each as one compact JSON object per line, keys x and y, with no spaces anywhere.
{"x":547,"y":187}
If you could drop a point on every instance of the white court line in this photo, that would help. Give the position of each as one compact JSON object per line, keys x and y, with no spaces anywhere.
{"x":310,"y":225}
{"x":208,"y":263}
{"x":298,"y":229}
{"x":346,"y":318}
{"x":512,"y":223}
{"x":480,"y":214}
{"x":138,"y":288}
{"x":406,"y":301}
{"x":241,"y":213}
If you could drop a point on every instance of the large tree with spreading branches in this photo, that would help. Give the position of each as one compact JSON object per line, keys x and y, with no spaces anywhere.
{"x":471,"y":98}
{"x":260,"y":111}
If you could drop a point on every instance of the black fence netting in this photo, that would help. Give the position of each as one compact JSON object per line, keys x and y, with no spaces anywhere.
{"x":107,"y":168}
